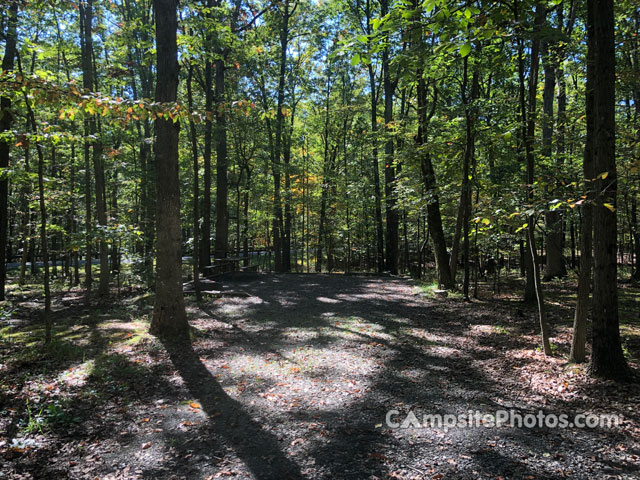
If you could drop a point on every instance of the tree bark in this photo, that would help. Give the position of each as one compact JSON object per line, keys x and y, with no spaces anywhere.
{"x":467,"y":175}
{"x":86,"y":44}
{"x":205,"y":232}
{"x":222,"y":186}
{"x":46,"y":314}
{"x":196,"y":189}
{"x":528,"y":127}
{"x":277,"y":200}
{"x":434,"y":217}
{"x":376,"y":174}
{"x":389,"y":166}
{"x":555,"y":266}
{"x":607,"y":359}
{"x":326,"y":181}
{"x":6,"y":119}
{"x":169,"y":317}
{"x":579,"y":339}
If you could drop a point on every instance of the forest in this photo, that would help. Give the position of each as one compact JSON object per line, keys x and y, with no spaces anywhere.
{"x":239,"y":237}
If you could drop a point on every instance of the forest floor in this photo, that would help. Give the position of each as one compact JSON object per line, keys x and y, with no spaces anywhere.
{"x":295,"y":379}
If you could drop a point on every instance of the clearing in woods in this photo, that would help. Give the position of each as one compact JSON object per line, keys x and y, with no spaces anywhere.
{"x":293,"y":380}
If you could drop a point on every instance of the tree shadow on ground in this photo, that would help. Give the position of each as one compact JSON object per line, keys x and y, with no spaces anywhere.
{"x":258,"y":448}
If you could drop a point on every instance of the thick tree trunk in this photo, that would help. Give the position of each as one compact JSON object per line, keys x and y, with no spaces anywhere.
{"x":5,"y":124}
{"x":607,"y":359}
{"x":169,"y":317}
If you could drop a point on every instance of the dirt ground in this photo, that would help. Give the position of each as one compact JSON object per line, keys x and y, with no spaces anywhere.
{"x":294,"y":380}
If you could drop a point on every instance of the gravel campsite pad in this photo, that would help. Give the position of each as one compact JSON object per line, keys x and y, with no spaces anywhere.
{"x":292,"y":377}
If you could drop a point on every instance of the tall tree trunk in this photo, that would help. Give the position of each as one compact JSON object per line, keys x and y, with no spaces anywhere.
{"x":169,"y":317}
{"x":286,"y":158}
{"x":43,"y":242}
{"x":527,"y":110}
{"x":555,"y":267}
{"x":277,"y":167}
{"x":89,"y":80}
{"x":205,"y":232}
{"x":101,"y":214}
{"x":86,"y":43}
{"x":205,"y":244}
{"x":529,"y":123}
{"x":222,"y":187}
{"x":325,"y":179}
{"x":73,"y":222}
{"x":245,"y":229}
{"x":455,"y":246}
{"x":579,"y":338}
{"x":376,"y":174}
{"x":467,"y":175}
{"x":635,"y":239}
{"x":607,"y":359}
{"x":434,"y":217}
{"x":46,"y":314}
{"x":389,"y":167}
{"x":373,"y":98}
{"x":25,"y":226}
{"x":196,"y":188}
{"x":5,"y":124}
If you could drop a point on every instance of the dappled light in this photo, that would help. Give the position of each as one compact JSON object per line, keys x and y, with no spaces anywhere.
{"x":302,"y":239}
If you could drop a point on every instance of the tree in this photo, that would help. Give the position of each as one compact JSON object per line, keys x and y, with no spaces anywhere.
{"x":389,"y":86}
{"x":6,"y":119}
{"x":579,"y":337}
{"x":169,"y":316}
{"x":91,"y":132}
{"x":607,"y":359}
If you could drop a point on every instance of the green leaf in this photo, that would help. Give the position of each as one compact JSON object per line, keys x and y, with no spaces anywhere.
{"x":355,"y":60}
{"x":610,"y":207}
{"x":465,"y":50}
